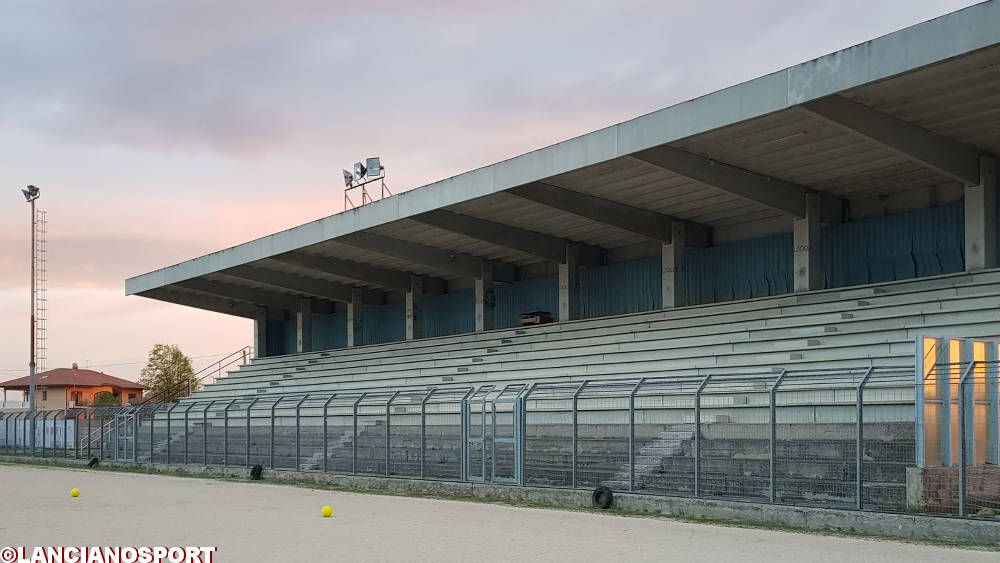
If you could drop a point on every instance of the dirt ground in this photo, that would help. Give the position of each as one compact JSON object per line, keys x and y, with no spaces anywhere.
{"x":262,"y":522}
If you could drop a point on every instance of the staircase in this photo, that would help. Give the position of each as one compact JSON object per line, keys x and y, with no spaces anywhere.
{"x":669,"y":443}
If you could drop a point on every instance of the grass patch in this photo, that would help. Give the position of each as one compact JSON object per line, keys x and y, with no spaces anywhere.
{"x":453,"y":495}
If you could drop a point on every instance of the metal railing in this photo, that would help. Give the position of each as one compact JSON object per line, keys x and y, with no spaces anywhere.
{"x":116,"y":422}
{"x":840,"y":438}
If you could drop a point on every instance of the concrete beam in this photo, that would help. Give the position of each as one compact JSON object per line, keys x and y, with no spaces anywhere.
{"x":937,"y":152}
{"x":224,"y":290}
{"x":382,"y":277}
{"x":673,"y":264}
{"x":441,"y":260}
{"x":569,"y":284}
{"x":354,"y":318}
{"x":201,"y":301}
{"x":650,"y":224}
{"x":331,"y":290}
{"x":303,"y":326}
{"x":981,"y":219}
{"x":530,"y":242}
{"x":415,"y":309}
{"x":485,"y":300}
{"x":776,"y":194}
{"x":806,"y":247}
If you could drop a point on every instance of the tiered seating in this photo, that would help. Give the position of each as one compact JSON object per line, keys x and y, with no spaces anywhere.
{"x":832,"y":328}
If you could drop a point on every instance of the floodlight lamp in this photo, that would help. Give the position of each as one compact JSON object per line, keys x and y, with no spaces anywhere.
{"x":359,"y":171}
{"x":348,"y":178}
{"x":31,"y":193}
{"x":374,"y":166}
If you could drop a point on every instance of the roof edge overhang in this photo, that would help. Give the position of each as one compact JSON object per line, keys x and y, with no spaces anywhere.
{"x":933,"y":41}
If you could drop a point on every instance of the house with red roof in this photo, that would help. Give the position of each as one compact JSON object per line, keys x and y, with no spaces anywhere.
{"x":63,"y":388}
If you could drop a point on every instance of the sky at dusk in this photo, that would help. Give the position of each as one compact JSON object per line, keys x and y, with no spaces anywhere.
{"x":160,"y":131}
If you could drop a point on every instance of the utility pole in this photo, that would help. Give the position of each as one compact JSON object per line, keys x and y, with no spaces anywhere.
{"x":31,"y":194}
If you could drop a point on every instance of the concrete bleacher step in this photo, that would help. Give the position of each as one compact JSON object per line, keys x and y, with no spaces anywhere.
{"x":728,"y":337}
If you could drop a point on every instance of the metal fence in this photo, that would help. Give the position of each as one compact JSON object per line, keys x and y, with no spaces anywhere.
{"x":840,"y":438}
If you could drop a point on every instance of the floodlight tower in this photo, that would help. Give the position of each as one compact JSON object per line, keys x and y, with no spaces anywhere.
{"x":31,"y":194}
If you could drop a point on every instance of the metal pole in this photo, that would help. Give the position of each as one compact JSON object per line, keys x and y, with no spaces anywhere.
{"x":101,"y":444}
{"x":152,"y":435}
{"x":170,"y":413}
{"x":859,"y":447}
{"x":423,"y":430}
{"x":522,"y":423}
{"x":772,"y":450}
{"x":274,"y":405}
{"x":298,"y":426}
{"x":354,"y":442}
{"x":65,"y":433}
{"x":463,"y":409}
{"x":326,"y":446}
{"x":388,"y":430}
{"x":31,"y":336}
{"x":250,"y":406}
{"x":576,"y":395}
{"x":631,"y":434}
{"x":45,"y":417}
{"x":204,"y":433}
{"x":962,"y":429}
{"x":186,"y":411}
{"x":90,"y":435}
{"x":697,"y":435}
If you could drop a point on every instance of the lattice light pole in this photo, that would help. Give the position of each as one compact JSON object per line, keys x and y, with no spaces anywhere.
{"x":31,"y":193}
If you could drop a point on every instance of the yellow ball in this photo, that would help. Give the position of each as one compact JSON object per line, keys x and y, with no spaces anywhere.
{"x":327,"y":511}
{"x":74,"y":492}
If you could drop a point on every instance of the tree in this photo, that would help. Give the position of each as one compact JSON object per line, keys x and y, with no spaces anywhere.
{"x":168,"y":374}
{"x":107,"y":399}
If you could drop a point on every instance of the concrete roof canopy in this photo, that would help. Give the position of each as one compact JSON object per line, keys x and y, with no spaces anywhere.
{"x":909,"y":110}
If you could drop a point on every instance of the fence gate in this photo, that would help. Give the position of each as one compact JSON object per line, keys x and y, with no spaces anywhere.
{"x":492,"y":435}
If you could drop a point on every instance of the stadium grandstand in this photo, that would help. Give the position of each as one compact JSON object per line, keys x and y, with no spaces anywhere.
{"x":732,"y":297}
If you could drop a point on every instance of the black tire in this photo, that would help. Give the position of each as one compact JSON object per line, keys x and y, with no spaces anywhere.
{"x":603,"y":498}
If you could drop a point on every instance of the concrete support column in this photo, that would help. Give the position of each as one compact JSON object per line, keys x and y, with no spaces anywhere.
{"x":354,"y":317}
{"x":415,"y":308}
{"x":304,"y":326}
{"x":981,"y":218}
{"x":806,"y":247}
{"x":569,"y":284}
{"x":485,"y":299}
{"x":260,"y":333}
{"x":673,"y":292}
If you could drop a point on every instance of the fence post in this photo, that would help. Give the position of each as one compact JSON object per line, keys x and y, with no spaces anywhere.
{"x":204,"y":433}
{"x":962,"y":429}
{"x":697,"y":434}
{"x":186,"y":431}
{"x":152,"y":437}
{"x":354,"y":441}
{"x":772,"y":450}
{"x":859,"y":447}
{"x":249,"y":407}
{"x":631,"y":434}
{"x":274,"y":405}
{"x":65,"y":433}
{"x":170,"y":415}
{"x":576,"y":396}
{"x":101,"y":444}
{"x":45,"y":418}
{"x":298,"y":427}
{"x":423,"y":430}
{"x":326,"y":448}
{"x":90,"y":435}
{"x":388,"y":430}
{"x":225,"y":432}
